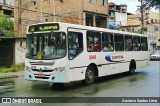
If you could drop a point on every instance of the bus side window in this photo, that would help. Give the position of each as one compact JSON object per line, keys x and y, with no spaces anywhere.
{"x":93,"y":41}
{"x":119,"y":42}
{"x":144,"y":44}
{"x":128,"y":43}
{"x":107,"y":42}
{"x":137,"y":43}
{"x":75,"y":44}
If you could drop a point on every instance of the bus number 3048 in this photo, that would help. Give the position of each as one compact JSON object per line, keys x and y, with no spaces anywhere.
{"x":92,"y":57}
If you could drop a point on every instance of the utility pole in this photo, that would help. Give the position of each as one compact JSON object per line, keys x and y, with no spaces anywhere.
{"x":142,"y":22}
{"x":19,"y":19}
{"x":41,"y":10}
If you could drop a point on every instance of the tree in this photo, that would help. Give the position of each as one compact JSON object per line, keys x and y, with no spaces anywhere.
{"x":6,"y":25}
{"x":149,"y":4}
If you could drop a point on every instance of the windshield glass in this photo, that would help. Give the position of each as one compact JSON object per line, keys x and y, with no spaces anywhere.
{"x":46,"y":46}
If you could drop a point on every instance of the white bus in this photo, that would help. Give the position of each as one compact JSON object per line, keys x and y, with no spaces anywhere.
{"x":62,"y":53}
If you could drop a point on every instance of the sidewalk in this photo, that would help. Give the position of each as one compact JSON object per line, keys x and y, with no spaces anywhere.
{"x":11,"y":75}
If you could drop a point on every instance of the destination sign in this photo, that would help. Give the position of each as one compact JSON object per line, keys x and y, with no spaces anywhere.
{"x":43,"y":27}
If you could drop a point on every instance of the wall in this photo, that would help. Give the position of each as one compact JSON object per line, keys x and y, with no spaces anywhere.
{"x":151,"y":27}
{"x":133,"y":21}
{"x":121,"y":18}
{"x":30,"y":14}
{"x":95,"y":6}
{"x":69,"y":11}
{"x":20,"y":51}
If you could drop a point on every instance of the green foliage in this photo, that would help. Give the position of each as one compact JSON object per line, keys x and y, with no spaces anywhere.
{"x":14,"y":68}
{"x":6,"y":25}
{"x":149,"y":4}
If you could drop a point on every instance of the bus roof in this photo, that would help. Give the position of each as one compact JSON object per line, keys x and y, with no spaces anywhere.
{"x":83,"y":27}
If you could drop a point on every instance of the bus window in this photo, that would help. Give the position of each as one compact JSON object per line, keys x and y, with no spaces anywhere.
{"x":119,"y":42}
{"x":144,"y":44}
{"x":107,"y":42}
{"x":75,"y":44}
{"x":128,"y":43}
{"x":93,"y":41}
{"x":137,"y":43}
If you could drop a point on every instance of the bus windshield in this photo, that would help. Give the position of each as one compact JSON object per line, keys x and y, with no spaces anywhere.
{"x":46,"y":46}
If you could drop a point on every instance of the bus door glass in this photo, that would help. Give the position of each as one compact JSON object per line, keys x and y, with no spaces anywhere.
{"x":75,"y":44}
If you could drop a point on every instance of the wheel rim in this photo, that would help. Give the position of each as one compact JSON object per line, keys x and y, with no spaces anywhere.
{"x":90,"y":75}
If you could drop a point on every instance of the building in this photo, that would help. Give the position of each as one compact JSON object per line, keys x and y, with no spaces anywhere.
{"x":151,"y":27}
{"x":11,"y":50}
{"x":6,"y":8}
{"x":84,"y":12}
{"x":6,"y":43}
{"x":117,"y":15}
{"x":152,"y":30}
{"x":133,"y":23}
{"x":27,"y":12}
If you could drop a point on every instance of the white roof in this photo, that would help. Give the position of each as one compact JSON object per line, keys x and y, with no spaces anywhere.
{"x":91,"y":28}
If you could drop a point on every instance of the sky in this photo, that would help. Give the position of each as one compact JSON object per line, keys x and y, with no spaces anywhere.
{"x":131,"y":4}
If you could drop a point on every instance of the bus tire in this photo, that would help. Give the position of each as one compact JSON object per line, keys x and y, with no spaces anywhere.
{"x":89,"y":76}
{"x":132,"y":67}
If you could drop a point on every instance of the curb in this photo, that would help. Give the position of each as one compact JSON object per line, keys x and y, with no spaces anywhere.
{"x":11,"y":75}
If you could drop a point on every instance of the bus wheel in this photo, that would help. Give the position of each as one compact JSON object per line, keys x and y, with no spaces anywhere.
{"x":132,"y":67}
{"x":89,"y":76}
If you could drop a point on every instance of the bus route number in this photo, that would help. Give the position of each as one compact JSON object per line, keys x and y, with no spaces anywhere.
{"x":92,"y":57}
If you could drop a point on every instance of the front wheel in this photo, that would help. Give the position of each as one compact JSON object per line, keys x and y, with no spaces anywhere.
{"x":89,"y":76}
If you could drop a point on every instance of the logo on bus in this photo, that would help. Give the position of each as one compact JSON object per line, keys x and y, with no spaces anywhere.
{"x":115,"y":57}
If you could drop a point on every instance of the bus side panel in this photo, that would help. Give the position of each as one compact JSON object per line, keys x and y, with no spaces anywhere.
{"x":105,"y":69}
{"x":142,"y":59}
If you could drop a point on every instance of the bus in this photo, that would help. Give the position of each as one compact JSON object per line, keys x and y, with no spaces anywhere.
{"x":61,"y":53}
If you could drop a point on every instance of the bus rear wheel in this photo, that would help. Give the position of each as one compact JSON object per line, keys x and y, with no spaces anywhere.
{"x":132,"y":67}
{"x":89,"y":76}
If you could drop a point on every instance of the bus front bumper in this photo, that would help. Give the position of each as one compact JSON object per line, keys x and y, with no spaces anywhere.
{"x":60,"y":77}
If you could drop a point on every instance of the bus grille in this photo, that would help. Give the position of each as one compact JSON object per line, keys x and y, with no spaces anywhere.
{"x":45,"y":77}
{"x":38,"y":70}
{"x":42,"y":77}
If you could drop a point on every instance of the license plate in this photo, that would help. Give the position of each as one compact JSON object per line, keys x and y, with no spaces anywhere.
{"x":41,"y":75}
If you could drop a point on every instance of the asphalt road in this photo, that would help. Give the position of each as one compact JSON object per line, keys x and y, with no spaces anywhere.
{"x":144,"y":83}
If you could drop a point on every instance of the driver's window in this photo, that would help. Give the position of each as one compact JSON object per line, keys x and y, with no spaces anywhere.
{"x":75,"y":44}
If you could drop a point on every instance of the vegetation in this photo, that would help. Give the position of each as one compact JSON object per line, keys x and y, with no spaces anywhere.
{"x":149,"y":4}
{"x":14,"y":68}
{"x":6,"y":25}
